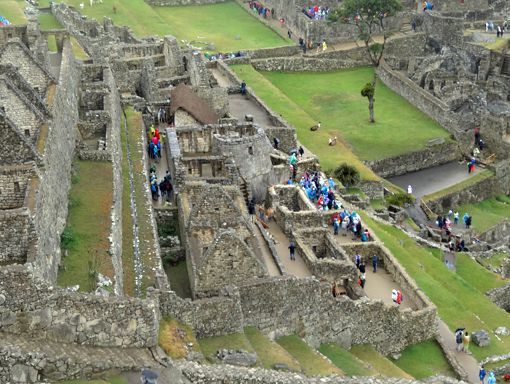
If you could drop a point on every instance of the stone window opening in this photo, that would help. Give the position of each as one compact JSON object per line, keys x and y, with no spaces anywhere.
{"x":250,"y":150}
{"x":27,"y":132}
{"x":16,"y":187}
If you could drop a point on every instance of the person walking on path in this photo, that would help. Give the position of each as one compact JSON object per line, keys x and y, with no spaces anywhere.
{"x":362,"y":268}
{"x":336,"y":226}
{"x":482,"y":374}
{"x":458,"y":338}
{"x":251,"y":209}
{"x":362,"y":280}
{"x":456,"y":218}
{"x":465,"y":342}
{"x":492,"y":378}
{"x":357,"y":260}
{"x":292,"y":250}
{"x":410,"y":189}
{"x":375,"y":259}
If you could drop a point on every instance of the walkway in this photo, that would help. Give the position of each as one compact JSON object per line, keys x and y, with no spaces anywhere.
{"x":468,"y":362}
{"x":161,"y":168}
{"x":380,"y":284}
{"x":296,"y":267}
{"x":433,"y":179}
{"x":265,"y":254}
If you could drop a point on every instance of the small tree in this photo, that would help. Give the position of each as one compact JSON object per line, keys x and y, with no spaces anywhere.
{"x":368,"y":17}
{"x":347,"y":174}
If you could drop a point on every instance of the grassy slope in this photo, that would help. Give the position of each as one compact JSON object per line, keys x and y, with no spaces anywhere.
{"x":330,"y":157}
{"x":424,"y":360}
{"x":89,"y":218}
{"x":477,"y":276}
{"x":48,"y":21}
{"x":174,"y":338}
{"x":334,"y":98}
{"x":458,"y":302}
{"x":210,"y":345}
{"x":346,"y":361}
{"x":269,"y":352}
{"x":226,"y":25}
{"x":145,"y":234}
{"x":378,"y":362}
{"x":12,"y":10}
{"x":311,"y":362}
{"x":487,"y":213}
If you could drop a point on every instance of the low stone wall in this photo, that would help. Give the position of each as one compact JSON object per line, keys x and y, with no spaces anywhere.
{"x":32,"y":308}
{"x":171,"y":3}
{"x":373,"y":189}
{"x":475,"y":193}
{"x":286,"y":135}
{"x":501,"y":297}
{"x":433,"y":155}
{"x":94,"y":155}
{"x":301,"y":64}
{"x":497,"y":233}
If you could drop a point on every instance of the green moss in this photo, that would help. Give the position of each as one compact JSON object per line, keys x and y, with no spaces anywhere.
{"x":378,"y":362}
{"x":347,"y":362}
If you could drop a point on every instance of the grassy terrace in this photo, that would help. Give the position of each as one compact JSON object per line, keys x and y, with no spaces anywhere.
{"x":334,"y":99}
{"x":487,"y":213}
{"x":88,"y":226}
{"x":226,"y":25}
{"x":143,"y":219}
{"x":459,"y":297}
{"x":476,"y":178}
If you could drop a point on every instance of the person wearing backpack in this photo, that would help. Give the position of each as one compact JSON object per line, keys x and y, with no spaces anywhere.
{"x":458,"y":339}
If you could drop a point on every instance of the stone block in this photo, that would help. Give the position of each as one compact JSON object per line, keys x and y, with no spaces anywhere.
{"x":481,"y":338}
{"x":237,"y":357}
{"x":502,"y":331}
{"x":23,"y":374}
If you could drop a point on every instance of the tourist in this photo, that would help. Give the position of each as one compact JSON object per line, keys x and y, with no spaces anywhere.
{"x":301,"y":151}
{"x":458,"y":338}
{"x":477,"y":135}
{"x":362,"y":267}
{"x":243,"y":88}
{"x":375,"y":259}
{"x":492,"y":378}
{"x":362,"y":280}
{"x":465,"y":342}
{"x":289,"y":33}
{"x":357,"y":260}
{"x":413,"y":25}
{"x":276,"y":142}
{"x":292,"y":250}
{"x":336,"y":227}
{"x":251,"y":209}
{"x":269,"y":214}
{"x":482,"y":374}
{"x":449,"y":215}
{"x":456,"y":218}
{"x":410,"y":189}
{"x":324,"y":48}
{"x":396,"y":296}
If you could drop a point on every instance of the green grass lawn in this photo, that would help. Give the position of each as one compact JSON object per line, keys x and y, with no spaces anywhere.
{"x":487,"y":213}
{"x":226,"y":25}
{"x":346,"y":361}
{"x":210,"y":345}
{"x":459,"y":297}
{"x":330,"y":157}
{"x":89,"y":222}
{"x":269,"y":352}
{"x":424,"y":360}
{"x":334,"y":99}
{"x":377,"y":362}
{"x":311,"y":362}
{"x":477,"y":276}
{"x":175,"y":337}
{"x":48,"y":21}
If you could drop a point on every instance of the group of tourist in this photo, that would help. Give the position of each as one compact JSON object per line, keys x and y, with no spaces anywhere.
{"x":316,"y":12}
{"x":350,"y":222}
{"x":500,"y":29}
{"x":320,"y":190}
{"x":163,"y":188}
{"x":223,"y":56}
{"x":155,"y":142}
{"x":483,"y":373}
{"x":262,"y":11}
{"x":3,"y":21}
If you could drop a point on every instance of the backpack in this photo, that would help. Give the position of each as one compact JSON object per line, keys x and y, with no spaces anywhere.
{"x":458,"y":337}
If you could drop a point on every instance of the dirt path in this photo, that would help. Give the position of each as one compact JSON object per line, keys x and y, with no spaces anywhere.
{"x":468,"y":362}
{"x":265,"y":254}
{"x":293,"y":267}
{"x":161,"y":168}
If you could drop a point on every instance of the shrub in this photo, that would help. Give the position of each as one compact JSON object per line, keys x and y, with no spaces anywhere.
{"x":347,"y":174}
{"x":400,"y":199}
{"x":67,"y":238}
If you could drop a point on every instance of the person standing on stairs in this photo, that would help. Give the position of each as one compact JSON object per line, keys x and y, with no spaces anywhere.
{"x":251,"y":209}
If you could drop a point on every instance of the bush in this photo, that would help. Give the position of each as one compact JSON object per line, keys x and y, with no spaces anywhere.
{"x":400,"y":199}
{"x":67,"y":238}
{"x":347,"y":174}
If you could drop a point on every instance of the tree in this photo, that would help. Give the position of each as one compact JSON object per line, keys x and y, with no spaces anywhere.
{"x":368,"y":16}
{"x":347,"y":174}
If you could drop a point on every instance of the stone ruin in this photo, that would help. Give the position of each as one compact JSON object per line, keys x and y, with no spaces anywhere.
{"x":51,"y":113}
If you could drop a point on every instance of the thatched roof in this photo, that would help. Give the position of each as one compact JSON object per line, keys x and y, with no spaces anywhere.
{"x":185,"y":98}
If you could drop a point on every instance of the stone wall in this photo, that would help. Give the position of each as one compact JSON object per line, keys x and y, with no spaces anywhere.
{"x":182,"y":2}
{"x":444,"y":30}
{"x":17,"y":235}
{"x":14,"y":181}
{"x":33,"y":308}
{"x":58,"y":156}
{"x":301,"y":64}
{"x":475,"y":193}
{"x":433,"y":155}
{"x":501,"y":297}
{"x":499,"y":233}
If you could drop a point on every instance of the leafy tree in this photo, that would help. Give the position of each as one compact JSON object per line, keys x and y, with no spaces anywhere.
{"x":369,"y":18}
{"x":347,"y":174}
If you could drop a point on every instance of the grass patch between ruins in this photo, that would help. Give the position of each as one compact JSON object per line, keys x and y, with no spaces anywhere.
{"x":269,"y":352}
{"x":48,"y":21}
{"x":477,"y":276}
{"x":88,"y":226}
{"x":147,"y":241}
{"x":346,"y":361}
{"x":487,"y":213}
{"x":424,"y":360}
{"x":12,"y":10}
{"x":178,"y":278}
{"x":311,"y":361}
{"x":334,"y":98}
{"x":377,"y":362}
{"x":175,"y":338}
{"x":330,"y":157}
{"x":458,"y":301}
{"x":226,"y":25}
{"x":236,"y":341}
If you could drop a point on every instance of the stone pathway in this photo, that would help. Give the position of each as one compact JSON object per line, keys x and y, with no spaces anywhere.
{"x":265,"y":253}
{"x":161,"y":168}
{"x":292,"y":267}
{"x":468,"y":362}
{"x":380,"y":284}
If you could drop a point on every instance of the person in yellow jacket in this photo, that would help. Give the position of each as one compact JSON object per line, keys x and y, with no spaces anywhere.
{"x":324,"y":46}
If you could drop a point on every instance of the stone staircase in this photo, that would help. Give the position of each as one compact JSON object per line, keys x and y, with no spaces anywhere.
{"x":245,"y":190}
{"x":28,"y":358}
{"x":505,"y":66}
